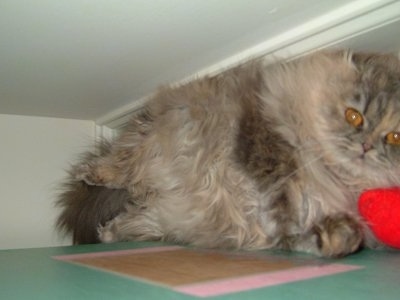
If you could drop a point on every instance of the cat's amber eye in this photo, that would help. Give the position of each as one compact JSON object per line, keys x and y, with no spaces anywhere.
{"x":354,"y":117}
{"x":393,"y":138}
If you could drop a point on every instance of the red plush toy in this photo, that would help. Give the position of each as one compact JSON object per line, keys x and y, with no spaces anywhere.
{"x":381,"y":209}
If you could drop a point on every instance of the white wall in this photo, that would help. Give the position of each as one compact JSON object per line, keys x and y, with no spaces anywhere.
{"x":34,"y":154}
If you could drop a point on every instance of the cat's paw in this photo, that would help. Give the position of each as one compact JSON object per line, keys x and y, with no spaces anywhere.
{"x":85,"y":172}
{"x":338,"y":235}
{"x":107,"y":233}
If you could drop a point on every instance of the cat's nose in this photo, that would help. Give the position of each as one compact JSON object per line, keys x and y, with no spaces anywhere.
{"x":367,"y":147}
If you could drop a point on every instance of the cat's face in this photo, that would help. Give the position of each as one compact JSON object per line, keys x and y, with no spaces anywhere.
{"x":366,"y":123}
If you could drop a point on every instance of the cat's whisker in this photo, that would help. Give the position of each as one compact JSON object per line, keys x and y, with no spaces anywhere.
{"x":306,"y":165}
{"x":316,"y":145}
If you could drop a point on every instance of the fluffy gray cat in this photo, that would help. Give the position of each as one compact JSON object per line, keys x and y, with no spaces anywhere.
{"x":261,"y":156}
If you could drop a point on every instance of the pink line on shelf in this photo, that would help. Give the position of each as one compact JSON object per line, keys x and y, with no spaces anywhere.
{"x":225,"y":286}
{"x":116,"y":253}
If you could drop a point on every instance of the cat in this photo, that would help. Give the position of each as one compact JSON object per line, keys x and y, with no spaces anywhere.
{"x":261,"y":156}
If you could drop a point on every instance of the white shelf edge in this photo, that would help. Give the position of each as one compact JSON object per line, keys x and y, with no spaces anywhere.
{"x":347,"y":21}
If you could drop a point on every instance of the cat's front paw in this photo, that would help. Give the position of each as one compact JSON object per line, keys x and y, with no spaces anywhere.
{"x":338,"y":235}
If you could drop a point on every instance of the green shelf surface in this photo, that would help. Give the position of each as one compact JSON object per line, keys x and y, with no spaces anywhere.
{"x":48,"y":273}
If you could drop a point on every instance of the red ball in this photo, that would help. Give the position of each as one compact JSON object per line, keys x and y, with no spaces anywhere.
{"x":381,"y":209}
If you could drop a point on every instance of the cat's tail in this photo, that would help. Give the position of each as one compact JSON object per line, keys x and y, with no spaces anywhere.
{"x":84,"y":207}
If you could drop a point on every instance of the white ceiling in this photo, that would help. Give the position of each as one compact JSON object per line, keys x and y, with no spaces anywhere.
{"x":83,"y":59}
